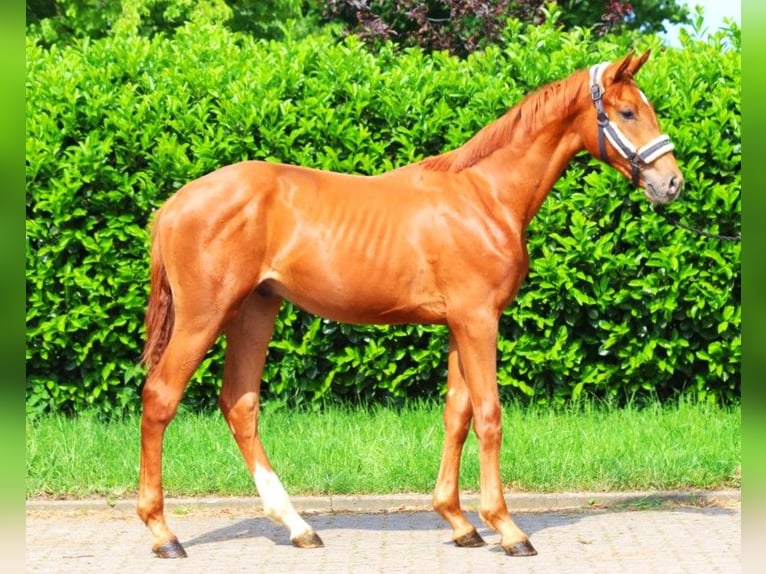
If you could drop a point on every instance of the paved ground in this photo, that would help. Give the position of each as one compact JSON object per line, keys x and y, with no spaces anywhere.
{"x":643,"y":533}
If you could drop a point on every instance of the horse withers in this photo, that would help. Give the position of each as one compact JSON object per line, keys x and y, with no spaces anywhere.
{"x":440,"y":241}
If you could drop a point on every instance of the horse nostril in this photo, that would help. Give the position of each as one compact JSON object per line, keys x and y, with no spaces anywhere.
{"x":675,"y":185}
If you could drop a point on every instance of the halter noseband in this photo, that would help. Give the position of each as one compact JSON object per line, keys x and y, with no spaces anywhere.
{"x":608,"y":130}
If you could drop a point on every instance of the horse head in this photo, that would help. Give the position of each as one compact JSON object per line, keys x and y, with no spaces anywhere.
{"x":622,"y":130}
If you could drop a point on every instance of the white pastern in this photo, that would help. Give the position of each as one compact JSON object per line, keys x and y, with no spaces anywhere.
{"x":276,"y":503}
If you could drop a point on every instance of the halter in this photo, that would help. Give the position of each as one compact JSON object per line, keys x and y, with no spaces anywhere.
{"x":608,"y":130}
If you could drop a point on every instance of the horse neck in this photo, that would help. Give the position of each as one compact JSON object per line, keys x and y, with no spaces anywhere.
{"x":543,"y":138}
{"x":522,"y":174}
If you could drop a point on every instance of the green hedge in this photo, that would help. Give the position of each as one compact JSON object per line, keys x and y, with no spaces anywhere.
{"x":618,"y":302}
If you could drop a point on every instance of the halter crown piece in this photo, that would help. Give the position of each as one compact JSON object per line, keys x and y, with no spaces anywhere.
{"x":646,"y":154}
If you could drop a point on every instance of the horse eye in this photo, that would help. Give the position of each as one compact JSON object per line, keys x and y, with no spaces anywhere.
{"x":627,"y":114}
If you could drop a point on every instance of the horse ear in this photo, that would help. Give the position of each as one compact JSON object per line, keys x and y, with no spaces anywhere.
{"x":616,"y":72}
{"x":636,"y":63}
{"x":625,"y":68}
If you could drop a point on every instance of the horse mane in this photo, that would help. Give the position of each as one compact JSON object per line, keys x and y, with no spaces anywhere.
{"x":553,"y":100}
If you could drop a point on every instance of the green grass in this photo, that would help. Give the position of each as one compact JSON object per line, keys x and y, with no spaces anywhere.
{"x":386,"y":450}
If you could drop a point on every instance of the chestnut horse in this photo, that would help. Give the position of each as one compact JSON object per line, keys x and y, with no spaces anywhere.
{"x":441,"y":241}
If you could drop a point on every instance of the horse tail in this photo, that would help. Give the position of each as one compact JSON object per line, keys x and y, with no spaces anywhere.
{"x":160,"y":315}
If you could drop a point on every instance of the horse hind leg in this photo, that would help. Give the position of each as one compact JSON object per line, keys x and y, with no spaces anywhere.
{"x":457,"y":421}
{"x":247,"y":339}
{"x":161,"y":395}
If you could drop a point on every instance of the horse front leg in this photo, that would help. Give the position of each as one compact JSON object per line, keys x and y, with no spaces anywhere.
{"x":247,"y":339}
{"x":476,"y":341}
{"x":457,"y":422}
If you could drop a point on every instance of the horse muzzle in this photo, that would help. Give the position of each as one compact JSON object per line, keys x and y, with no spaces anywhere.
{"x":663,"y":190}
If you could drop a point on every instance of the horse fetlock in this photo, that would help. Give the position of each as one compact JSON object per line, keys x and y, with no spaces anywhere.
{"x":489,"y":518}
{"x":443,"y":506}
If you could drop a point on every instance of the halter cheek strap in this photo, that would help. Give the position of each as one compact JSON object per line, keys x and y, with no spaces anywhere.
{"x":608,"y":130}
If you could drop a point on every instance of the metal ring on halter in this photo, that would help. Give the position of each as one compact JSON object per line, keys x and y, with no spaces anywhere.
{"x":608,"y":130}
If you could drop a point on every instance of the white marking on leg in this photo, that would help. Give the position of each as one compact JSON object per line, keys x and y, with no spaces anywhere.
{"x":276,"y":503}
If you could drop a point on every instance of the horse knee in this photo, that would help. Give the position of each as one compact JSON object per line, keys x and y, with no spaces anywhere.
{"x":457,"y":431}
{"x":487,"y":423}
{"x":149,"y":505}
{"x":445,"y":503}
{"x":247,"y":404}
{"x":457,"y":422}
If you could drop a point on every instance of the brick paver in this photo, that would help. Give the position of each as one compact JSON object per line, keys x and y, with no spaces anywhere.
{"x":669,"y":539}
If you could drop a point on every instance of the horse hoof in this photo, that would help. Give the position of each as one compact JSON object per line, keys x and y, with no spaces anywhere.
{"x":470,"y":540}
{"x":523,"y":548}
{"x":308,"y":539}
{"x":172,"y":549}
